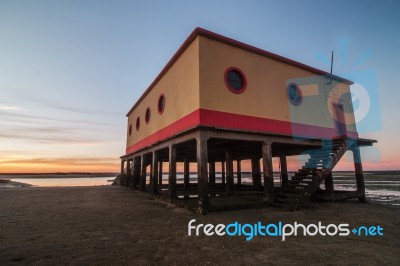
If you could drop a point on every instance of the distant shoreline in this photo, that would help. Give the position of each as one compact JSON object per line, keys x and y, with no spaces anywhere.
{"x":54,"y":175}
{"x":101,"y":174}
{"x":63,"y":173}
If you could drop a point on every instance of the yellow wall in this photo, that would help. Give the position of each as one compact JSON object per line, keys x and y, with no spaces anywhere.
{"x":180,"y":84}
{"x":266,"y":95}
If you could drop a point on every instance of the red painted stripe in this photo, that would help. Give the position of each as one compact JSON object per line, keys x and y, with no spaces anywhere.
{"x":265,"y":125}
{"x":232,"y":121}
{"x":243,"y":122}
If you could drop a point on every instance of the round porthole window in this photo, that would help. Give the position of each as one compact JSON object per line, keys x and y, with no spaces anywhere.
{"x":130,"y":130}
{"x":235,"y":80}
{"x":294,"y":94}
{"x":161,"y":103}
{"x":137,"y":123}
{"x":147,"y":116}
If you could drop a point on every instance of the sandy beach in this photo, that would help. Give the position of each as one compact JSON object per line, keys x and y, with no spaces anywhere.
{"x":113,"y":225}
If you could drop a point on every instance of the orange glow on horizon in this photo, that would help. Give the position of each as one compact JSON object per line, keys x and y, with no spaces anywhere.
{"x":64,"y":165}
{"x":112,"y":165}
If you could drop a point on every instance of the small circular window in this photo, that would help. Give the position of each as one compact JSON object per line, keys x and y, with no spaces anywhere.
{"x":161,"y":103}
{"x":137,"y":123}
{"x":148,"y":114}
{"x":130,"y":130}
{"x":235,"y":80}
{"x":294,"y":94}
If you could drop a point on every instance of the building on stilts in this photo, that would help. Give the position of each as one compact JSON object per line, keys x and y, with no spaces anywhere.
{"x":220,"y":107}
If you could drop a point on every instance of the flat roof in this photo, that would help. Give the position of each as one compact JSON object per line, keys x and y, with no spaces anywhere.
{"x":212,"y":35}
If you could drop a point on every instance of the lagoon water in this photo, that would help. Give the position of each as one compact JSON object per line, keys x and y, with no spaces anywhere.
{"x":66,"y":182}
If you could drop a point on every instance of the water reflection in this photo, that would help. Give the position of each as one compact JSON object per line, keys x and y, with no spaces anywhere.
{"x":66,"y":182}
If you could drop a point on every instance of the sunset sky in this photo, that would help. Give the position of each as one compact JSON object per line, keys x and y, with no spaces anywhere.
{"x":70,"y":70}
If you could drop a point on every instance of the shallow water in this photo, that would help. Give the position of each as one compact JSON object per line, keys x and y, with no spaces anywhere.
{"x":65,"y":182}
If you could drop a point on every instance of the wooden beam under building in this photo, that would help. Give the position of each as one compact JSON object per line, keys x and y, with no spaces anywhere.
{"x":268,"y":171}
{"x":359,"y":172}
{"x":202,"y":174}
{"x":154,"y":173}
{"x":172,"y":172}
{"x":239,"y":172}
{"x":186,"y":173}
{"x":229,"y":171}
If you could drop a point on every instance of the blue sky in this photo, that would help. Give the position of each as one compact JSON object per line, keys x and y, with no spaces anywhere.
{"x":70,"y":70}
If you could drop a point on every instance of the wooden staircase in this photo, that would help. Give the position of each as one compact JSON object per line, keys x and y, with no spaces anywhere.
{"x":306,"y":181}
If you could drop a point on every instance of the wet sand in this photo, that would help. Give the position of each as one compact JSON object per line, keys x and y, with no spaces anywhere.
{"x":113,"y":225}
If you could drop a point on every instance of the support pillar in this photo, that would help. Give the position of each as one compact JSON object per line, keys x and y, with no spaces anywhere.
{"x":329,"y":189}
{"x":160,"y":172}
{"x":186,"y":173}
{"x":151,"y":171}
{"x":223,"y":172}
{"x":172,"y":172}
{"x":268,"y":171}
{"x":122,"y":175}
{"x":359,"y":173}
{"x":284,"y":171}
{"x":143,"y":174}
{"x":136,"y":171}
{"x":239,"y":172}
{"x":229,"y":171}
{"x":128,"y":173}
{"x":202,"y":174}
{"x":255,"y":169}
{"x":154,"y":173}
{"x":212,"y":173}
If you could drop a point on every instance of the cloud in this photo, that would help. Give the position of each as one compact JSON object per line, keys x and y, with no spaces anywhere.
{"x":9,"y":108}
{"x":65,"y":161}
{"x":18,"y":115}
{"x":51,"y":139}
{"x":63,"y":164}
{"x":30,"y":97}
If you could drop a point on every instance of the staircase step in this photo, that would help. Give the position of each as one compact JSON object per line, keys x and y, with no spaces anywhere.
{"x":296,"y":186}
{"x":302,"y":177}
{"x":309,"y":169}
{"x":317,"y":160}
{"x":320,"y":157}
{"x":301,"y":174}
{"x":296,"y":178}
{"x":312,"y":164}
{"x":300,"y":182}
{"x":318,"y":165}
{"x":306,"y":170}
{"x":292,"y":190}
